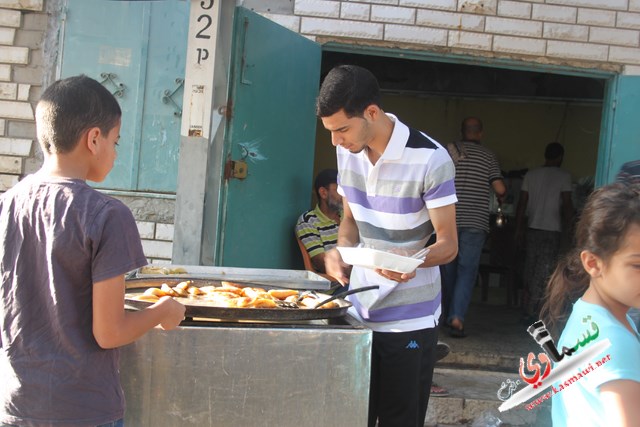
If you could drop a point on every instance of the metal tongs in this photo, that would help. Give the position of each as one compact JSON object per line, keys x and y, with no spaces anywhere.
{"x":344,"y":294}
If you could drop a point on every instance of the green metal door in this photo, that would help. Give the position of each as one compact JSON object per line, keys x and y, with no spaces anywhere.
{"x":137,"y":50}
{"x":620,"y":141}
{"x":274,"y":81}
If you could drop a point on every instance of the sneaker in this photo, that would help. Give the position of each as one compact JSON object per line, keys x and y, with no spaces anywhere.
{"x":442,"y":350}
{"x":437,"y":391}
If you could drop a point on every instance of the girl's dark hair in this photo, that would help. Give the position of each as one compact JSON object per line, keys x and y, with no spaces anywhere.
{"x":70,"y":107}
{"x":347,"y":87}
{"x":607,"y":215}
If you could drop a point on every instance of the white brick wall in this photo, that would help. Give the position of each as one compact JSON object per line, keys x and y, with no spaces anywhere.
{"x":520,"y":45}
{"x":434,"y":18}
{"x":605,"y":18}
{"x":514,"y":9}
{"x":323,"y":8}
{"x":146,"y":229}
{"x":543,"y":12}
{"x":585,"y":51}
{"x":628,"y":20}
{"x":157,"y":249}
{"x":614,"y":36}
{"x":557,"y":31}
{"x":431,"y":4}
{"x":601,"y":4}
{"x":164,"y":232}
{"x":342,"y":28}
{"x":516,"y":27}
{"x":398,"y":15}
{"x":15,"y":147}
{"x":466,"y":40}
{"x":582,"y":33}
{"x":360,"y":12}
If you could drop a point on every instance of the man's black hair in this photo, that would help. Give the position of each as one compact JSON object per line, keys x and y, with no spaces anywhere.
{"x":347,"y":87}
{"x":324,"y":178}
{"x":554,"y":150}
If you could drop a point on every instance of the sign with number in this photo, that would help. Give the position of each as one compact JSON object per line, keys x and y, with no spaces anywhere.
{"x":198,"y":87}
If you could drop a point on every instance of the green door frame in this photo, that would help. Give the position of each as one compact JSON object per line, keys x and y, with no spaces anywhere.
{"x":604,"y":163}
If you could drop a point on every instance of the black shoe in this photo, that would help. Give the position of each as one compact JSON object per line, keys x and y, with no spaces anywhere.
{"x":442,"y":350}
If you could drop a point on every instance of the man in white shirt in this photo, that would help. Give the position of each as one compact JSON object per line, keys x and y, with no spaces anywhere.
{"x":545,"y":199}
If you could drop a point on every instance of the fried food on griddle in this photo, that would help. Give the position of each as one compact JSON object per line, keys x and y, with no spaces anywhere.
{"x":230,"y":294}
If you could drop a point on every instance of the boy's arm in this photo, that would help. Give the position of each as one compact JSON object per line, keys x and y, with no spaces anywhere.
{"x":114,"y":327}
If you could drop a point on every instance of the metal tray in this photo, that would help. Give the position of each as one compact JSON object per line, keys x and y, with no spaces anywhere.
{"x":292,"y":279}
{"x":137,"y":286}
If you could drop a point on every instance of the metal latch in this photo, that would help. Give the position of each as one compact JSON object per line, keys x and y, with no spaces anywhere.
{"x":235,"y":169}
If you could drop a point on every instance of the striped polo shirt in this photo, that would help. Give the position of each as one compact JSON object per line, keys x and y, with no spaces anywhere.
{"x":476,"y":169}
{"x":390,"y":202}
{"x":317,"y":232}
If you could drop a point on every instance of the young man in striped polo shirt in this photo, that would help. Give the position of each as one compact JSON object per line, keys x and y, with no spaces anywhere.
{"x":318,"y":227}
{"x":398,"y":189}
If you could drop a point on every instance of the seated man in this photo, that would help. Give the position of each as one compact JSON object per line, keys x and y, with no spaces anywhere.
{"x":318,"y":228}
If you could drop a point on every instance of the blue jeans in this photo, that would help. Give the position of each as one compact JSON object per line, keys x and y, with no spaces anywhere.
{"x":460,"y":274}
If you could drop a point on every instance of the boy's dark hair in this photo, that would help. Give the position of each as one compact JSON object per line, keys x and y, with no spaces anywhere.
{"x":554,"y":150}
{"x":70,"y":107}
{"x":347,"y":87}
{"x":324,"y":178}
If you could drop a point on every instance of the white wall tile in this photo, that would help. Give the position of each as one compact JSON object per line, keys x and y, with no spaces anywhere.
{"x":614,"y":36}
{"x":11,"y":165}
{"x":320,"y":8}
{"x":605,"y":18}
{"x":514,"y":9}
{"x":146,"y":229}
{"x":572,"y":50}
{"x":554,"y":30}
{"x":412,"y":34}
{"x":602,"y":4}
{"x":393,"y":14}
{"x":625,"y":55}
{"x":164,"y":231}
{"x":521,"y":45}
{"x":15,"y":146}
{"x":430,"y":4}
{"x":517,"y":27}
{"x":342,"y":28}
{"x":628,"y":20}
{"x":467,"y":40}
{"x":16,"y":110}
{"x":545,"y":12}
{"x":357,"y":11}
{"x":10,"y":18}
{"x":458,"y":21}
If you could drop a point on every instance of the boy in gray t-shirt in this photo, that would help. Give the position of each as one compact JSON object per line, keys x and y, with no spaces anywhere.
{"x":65,"y":250}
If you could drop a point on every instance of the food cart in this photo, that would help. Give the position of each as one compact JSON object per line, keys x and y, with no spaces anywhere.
{"x":244,"y":373}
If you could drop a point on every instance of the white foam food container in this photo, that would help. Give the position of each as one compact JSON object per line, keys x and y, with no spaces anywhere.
{"x":373,"y":258}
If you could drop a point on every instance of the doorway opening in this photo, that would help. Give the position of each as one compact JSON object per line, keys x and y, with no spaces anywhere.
{"x":522,"y":111}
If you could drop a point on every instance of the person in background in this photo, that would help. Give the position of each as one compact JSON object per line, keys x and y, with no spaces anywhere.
{"x":65,"y":250}
{"x":629,"y":173}
{"x":318,"y":228}
{"x":545,"y":201}
{"x":600,"y":276}
{"x":477,"y":172}
{"x":397,"y":187}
